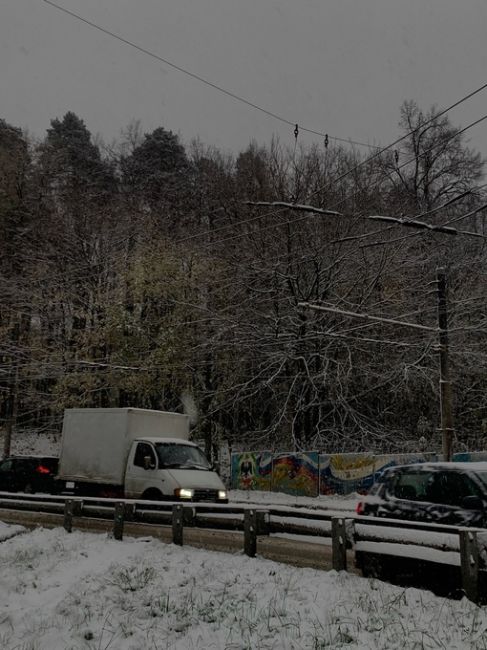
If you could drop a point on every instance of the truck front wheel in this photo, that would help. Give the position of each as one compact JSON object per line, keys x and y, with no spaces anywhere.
{"x":152,"y":495}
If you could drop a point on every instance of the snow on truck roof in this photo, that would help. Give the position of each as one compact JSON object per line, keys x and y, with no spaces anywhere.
{"x":124,"y":409}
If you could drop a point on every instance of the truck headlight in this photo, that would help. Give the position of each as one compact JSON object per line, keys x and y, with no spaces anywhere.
{"x":184,"y":493}
{"x":222,"y":494}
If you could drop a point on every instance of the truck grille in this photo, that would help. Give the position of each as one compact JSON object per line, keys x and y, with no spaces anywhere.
{"x":205,"y":495}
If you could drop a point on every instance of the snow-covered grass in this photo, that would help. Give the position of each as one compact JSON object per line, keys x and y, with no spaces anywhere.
{"x":83,"y":591}
{"x":9,"y":530}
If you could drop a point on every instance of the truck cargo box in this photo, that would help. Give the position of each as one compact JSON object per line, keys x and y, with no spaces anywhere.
{"x":96,"y":442}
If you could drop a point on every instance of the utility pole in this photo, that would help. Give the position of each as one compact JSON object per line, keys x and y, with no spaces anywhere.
{"x":446,"y":402}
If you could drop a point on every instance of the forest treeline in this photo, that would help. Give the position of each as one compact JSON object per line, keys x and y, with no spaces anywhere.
{"x":140,"y":274}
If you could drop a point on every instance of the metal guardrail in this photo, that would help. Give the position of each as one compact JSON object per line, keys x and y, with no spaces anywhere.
{"x":458,"y":550}
{"x":386,"y":537}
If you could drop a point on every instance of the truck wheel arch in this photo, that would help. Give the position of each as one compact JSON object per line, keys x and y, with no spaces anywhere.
{"x":152,"y":494}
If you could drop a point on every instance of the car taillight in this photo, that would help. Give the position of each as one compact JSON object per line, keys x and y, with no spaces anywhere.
{"x":360,"y":508}
{"x":40,"y":469}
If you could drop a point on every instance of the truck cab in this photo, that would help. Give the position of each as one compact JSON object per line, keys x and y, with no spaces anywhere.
{"x":171,"y":469}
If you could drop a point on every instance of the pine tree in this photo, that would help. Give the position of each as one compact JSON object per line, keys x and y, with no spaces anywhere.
{"x":156,"y":177}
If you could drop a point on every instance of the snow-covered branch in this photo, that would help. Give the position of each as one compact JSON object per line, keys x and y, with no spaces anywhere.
{"x":400,"y":221}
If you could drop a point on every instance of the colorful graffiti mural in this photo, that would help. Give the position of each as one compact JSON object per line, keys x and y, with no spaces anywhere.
{"x":311,"y":473}
{"x":251,"y":470}
{"x":296,"y":473}
{"x":347,"y":473}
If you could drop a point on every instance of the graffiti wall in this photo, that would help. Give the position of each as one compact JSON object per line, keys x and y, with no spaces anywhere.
{"x":297,"y":474}
{"x":347,"y":473}
{"x":311,"y":473}
{"x":251,"y":470}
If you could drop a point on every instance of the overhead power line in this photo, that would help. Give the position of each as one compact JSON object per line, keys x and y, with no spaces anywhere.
{"x":379,"y":150}
{"x":215,"y":86}
{"x":282,"y":206}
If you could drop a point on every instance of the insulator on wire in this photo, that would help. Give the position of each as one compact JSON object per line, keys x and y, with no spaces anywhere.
{"x":396,"y":156}
{"x":296,"y":131}
{"x":326,"y":141}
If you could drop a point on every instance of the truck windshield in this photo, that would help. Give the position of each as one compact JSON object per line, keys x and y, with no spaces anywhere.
{"x":181,"y":456}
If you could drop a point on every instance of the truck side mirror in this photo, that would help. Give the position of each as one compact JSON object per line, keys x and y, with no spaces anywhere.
{"x":148,"y":464}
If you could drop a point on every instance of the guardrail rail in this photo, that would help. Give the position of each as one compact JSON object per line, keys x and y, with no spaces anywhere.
{"x":385,"y":542}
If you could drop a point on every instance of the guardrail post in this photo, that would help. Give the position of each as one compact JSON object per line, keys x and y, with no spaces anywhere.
{"x":250,"y":532}
{"x":339,"y":543}
{"x":129,"y":511}
{"x":262,"y":522}
{"x":469,"y":562}
{"x":68,"y":515}
{"x":72,"y":508}
{"x":177,"y":524}
{"x":118,"y":520}
{"x":350,"y":530}
{"x":189,"y":515}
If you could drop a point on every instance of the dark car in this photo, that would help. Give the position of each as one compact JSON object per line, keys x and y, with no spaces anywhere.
{"x":28,"y":474}
{"x":444,"y":493}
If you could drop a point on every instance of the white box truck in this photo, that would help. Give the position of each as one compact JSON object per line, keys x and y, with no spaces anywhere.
{"x":136,"y":454}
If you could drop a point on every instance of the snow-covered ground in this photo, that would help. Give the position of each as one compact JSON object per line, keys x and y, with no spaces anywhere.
{"x":83,"y":591}
{"x":335,"y":503}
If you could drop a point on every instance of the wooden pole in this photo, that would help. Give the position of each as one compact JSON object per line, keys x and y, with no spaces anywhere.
{"x":446,"y":401}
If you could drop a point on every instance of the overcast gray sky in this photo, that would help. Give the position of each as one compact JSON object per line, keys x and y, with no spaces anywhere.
{"x":336,"y":66}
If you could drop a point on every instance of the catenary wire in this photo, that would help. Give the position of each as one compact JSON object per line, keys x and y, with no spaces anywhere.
{"x":201,"y":79}
{"x":334,"y":206}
